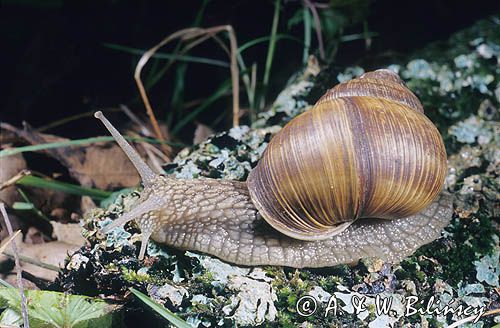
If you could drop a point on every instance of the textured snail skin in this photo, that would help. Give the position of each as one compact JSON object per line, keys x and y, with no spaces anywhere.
{"x":217,"y":217}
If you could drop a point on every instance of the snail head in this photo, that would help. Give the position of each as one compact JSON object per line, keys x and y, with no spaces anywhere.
{"x":146,"y":211}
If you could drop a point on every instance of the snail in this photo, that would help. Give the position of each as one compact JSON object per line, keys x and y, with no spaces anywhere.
{"x":358,"y":175}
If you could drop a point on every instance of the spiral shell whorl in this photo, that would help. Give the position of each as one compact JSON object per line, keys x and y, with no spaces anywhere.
{"x":362,"y":151}
{"x":381,"y":83}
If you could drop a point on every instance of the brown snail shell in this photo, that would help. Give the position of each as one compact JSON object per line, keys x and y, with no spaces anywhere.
{"x":366,"y":150}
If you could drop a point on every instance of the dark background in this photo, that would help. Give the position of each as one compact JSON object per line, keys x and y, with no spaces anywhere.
{"x":55,"y":65}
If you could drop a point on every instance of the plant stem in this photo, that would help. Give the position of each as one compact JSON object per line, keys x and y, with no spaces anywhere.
{"x":270,"y":50}
{"x":307,"y":34}
{"x":24,"y":308}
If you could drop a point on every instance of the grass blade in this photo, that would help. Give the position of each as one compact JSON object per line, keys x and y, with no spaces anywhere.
{"x":163,"y":55}
{"x":5,"y":284}
{"x":250,"y":89}
{"x":28,"y":205}
{"x":263,"y":39}
{"x":34,"y":261}
{"x":357,"y":36}
{"x":78,"y":142}
{"x":19,"y":277}
{"x":71,"y":118}
{"x":270,"y":51}
{"x":166,"y":313}
{"x":307,"y":34}
{"x":222,"y":90}
{"x":63,"y":187}
{"x":22,"y":206}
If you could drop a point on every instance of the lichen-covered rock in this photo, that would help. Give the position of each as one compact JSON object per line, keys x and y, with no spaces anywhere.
{"x":459,"y":84}
{"x":174,"y":294}
{"x":226,"y":155}
{"x":480,"y":136}
{"x":254,"y":302}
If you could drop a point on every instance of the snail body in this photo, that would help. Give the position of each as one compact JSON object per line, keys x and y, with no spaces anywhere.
{"x":365,"y":151}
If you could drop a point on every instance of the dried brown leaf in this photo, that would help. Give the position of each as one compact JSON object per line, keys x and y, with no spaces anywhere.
{"x":9,"y":167}
{"x":201,"y":133}
{"x":70,"y":233}
{"x":101,"y":165}
{"x":105,"y":167}
{"x":6,"y":243}
{"x":53,"y":253}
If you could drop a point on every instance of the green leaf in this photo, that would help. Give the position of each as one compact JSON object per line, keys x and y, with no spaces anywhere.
{"x":11,"y":318}
{"x":223,"y":88}
{"x":296,"y":18}
{"x":52,"y":309}
{"x":167,"y":314}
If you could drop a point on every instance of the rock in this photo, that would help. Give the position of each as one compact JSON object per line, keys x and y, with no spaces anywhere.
{"x":320,"y":294}
{"x":254,"y":302}
{"x":220,"y":271}
{"x":174,"y":294}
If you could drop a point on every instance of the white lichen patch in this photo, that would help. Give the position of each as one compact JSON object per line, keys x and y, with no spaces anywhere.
{"x":320,"y":294}
{"x":175,"y":294}
{"x":259,"y":274}
{"x":474,"y":129}
{"x":364,"y":305}
{"x":76,"y":262}
{"x":382,"y":321}
{"x":220,"y":271}
{"x":287,"y":99}
{"x":466,"y":295}
{"x":118,"y":237}
{"x":351,"y":73}
{"x":488,"y":269}
{"x":254,"y":302}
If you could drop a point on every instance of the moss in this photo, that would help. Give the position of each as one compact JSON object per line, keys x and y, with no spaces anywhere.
{"x":455,"y":255}
{"x":285,"y":320}
{"x":433,"y":323}
{"x":199,"y":307}
{"x":330,"y":282}
{"x":202,"y":284}
{"x":291,"y":300}
{"x":274,"y":272}
{"x":135,"y":276}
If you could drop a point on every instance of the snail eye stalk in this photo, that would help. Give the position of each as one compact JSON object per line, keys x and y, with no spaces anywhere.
{"x":147,"y":175}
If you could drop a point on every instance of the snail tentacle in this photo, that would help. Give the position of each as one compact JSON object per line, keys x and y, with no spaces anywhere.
{"x":147,"y":175}
{"x":144,"y":243}
{"x":149,"y":205}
